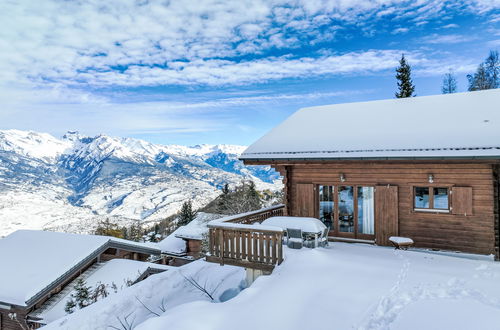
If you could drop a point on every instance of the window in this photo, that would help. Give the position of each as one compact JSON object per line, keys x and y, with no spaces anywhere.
{"x":434,"y":199}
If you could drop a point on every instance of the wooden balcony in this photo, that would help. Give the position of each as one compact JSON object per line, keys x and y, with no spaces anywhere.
{"x":234,"y":240}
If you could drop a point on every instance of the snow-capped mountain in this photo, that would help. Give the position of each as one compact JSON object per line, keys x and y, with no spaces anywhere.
{"x":73,"y":182}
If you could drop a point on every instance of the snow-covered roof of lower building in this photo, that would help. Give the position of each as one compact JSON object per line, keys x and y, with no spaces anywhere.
{"x":462,"y":125}
{"x":33,"y":260}
{"x":175,"y":242}
{"x":115,"y":275}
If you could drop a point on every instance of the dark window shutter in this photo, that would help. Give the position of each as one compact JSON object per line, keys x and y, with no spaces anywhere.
{"x":461,"y":200}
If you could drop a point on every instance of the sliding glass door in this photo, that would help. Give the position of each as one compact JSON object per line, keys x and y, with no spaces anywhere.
{"x":349,"y":211}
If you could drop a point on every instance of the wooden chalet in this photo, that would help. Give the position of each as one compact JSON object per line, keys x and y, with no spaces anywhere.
{"x":37,"y":266}
{"x":426,"y":168}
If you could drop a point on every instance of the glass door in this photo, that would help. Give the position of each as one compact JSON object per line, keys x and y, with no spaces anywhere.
{"x":349,"y":211}
{"x":345,"y":214}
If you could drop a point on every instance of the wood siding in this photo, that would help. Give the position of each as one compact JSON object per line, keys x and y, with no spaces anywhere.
{"x":386,"y":214}
{"x":304,"y":205}
{"x":473,"y":232}
{"x":461,"y":199}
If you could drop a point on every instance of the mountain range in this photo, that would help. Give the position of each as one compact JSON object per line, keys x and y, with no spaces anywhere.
{"x":70,"y":184}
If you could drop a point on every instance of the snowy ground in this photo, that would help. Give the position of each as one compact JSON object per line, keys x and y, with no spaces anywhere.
{"x":158,"y":292}
{"x":348,"y":286}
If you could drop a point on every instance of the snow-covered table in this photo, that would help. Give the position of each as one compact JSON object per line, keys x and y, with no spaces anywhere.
{"x":312,"y":228}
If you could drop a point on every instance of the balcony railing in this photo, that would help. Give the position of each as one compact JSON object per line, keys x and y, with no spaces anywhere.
{"x":238,"y":240}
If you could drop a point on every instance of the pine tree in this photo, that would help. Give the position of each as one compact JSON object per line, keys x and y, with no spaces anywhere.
{"x":80,"y":298}
{"x":253,"y":196}
{"x":403,"y":75}
{"x":449,"y":83}
{"x":187,"y":214}
{"x":487,"y":75}
{"x":223,"y":199}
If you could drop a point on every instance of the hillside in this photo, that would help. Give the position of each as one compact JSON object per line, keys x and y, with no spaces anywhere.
{"x":71,"y":183}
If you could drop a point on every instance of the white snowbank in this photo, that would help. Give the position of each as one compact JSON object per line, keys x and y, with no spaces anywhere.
{"x":165,"y":290}
{"x":349,"y":286}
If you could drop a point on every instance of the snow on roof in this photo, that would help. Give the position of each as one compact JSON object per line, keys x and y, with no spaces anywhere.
{"x":116,"y":271}
{"x":175,"y":244}
{"x":33,"y":259}
{"x":452,"y":125}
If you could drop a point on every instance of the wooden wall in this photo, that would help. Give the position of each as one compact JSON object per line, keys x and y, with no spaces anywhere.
{"x":470,"y":233}
{"x":6,"y":323}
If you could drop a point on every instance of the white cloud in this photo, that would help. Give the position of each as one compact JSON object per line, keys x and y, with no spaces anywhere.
{"x":450,"y":26}
{"x":132,"y":42}
{"x":400,"y":30}
{"x":447,"y":39}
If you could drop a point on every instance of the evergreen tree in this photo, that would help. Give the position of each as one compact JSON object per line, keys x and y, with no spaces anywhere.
{"x":449,"y":83}
{"x":487,"y":75}
{"x":136,"y":231}
{"x":80,"y":298}
{"x":403,"y":75}
{"x":253,"y":196}
{"x":187,"y":214}
{"x":223,"y":199}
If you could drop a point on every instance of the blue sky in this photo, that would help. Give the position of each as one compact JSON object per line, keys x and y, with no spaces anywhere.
{"x":209,"y":71}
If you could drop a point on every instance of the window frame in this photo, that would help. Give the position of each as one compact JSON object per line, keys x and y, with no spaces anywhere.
{"x":431,"y":208}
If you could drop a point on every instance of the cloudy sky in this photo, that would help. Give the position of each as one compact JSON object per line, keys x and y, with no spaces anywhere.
{"x":211,"y":71}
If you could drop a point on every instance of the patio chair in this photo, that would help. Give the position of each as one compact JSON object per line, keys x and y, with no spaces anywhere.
{"x":323,"y":240}
{"x":294,"y":238}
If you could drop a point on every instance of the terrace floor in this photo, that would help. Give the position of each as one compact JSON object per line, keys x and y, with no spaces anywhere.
{"x":356,"y":286}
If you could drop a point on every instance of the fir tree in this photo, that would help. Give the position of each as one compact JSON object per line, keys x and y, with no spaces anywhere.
{"x":449,"y":83}
{"x":80,"y":298}
{"x":187,"y":214}
{"x":487,"y":75}
{"x":253,"y":196}
{"x":403,"y":75}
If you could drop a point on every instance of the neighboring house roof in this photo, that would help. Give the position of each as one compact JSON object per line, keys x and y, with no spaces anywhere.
{"x":34,"y":262}
{"x":116,"y":271}
{"x":462,"y":125}
{"x":175,"y":243}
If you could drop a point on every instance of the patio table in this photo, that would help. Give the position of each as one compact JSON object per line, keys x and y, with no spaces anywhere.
{"x":312,"y":228}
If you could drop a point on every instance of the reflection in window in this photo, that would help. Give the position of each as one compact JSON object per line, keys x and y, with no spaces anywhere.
{"x":440,"y":198}
{"x":366,"y":211}
{"x":422,"y":197}
{"x":346,"y":209}
{"x":326,"y":205}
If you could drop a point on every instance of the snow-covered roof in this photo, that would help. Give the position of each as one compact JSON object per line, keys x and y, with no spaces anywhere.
{"x":458,"y":125}
{"x":32,"y":260}
{"x":116,"y":271}
{"x":175,"y":242}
